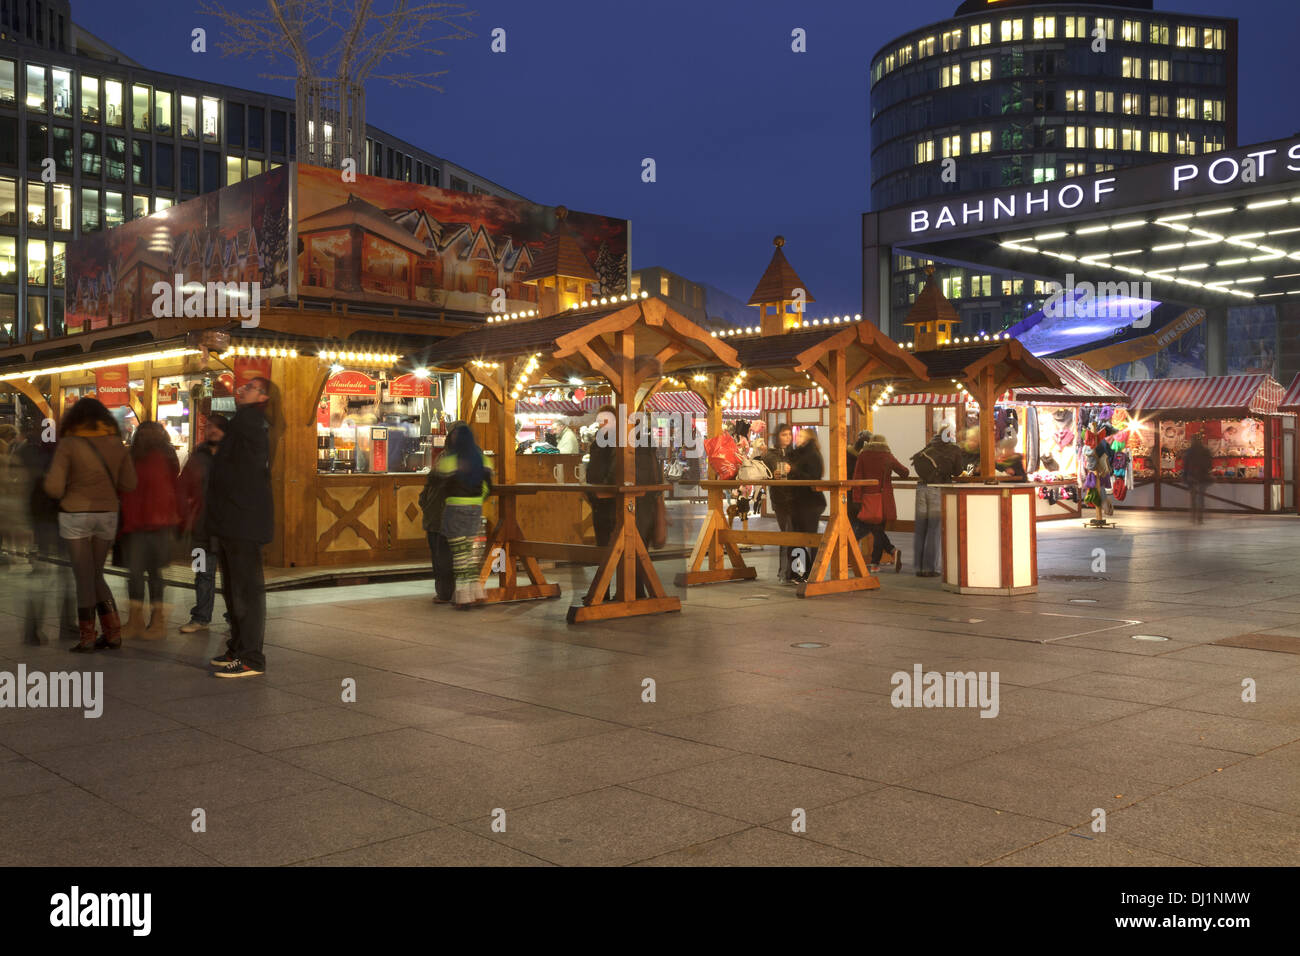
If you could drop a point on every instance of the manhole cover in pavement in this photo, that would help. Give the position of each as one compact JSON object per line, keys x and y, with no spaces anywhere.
{"x":809,"y":644}
{"x":1083,"y":600}
{"x":960,"y":620}
{"x":1148,"y":637}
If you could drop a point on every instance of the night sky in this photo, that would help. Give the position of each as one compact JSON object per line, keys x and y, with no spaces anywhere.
{"x":749,"y":138}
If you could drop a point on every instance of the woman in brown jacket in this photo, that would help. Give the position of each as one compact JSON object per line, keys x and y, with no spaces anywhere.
{"x":91,"y":466}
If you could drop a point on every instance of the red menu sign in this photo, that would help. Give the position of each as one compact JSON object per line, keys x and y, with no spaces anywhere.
{"x":352,"y":383}
{"x":249,"y":367}
{"x":113,"y":385}
{"x":412,"y":386}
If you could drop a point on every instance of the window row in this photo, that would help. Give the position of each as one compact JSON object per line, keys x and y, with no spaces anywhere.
{"x":1125,"y":139}
{"x":45,"y":266}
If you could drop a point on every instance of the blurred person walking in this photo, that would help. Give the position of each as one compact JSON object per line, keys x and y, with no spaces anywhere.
{"x":935,"y":464}
{"x":150,"y":517}
{"x":1197,"y":463}
{"x":195,"y":480}
{"x":433,"y":500}
{"x":90,"y":468}
{"x":875,"y":460}
{"x":777,"y":460}
{"x":50,"y":579}
{"x":469,"y":483}
{"x":241,"y":517}
{"x":807,"y":504}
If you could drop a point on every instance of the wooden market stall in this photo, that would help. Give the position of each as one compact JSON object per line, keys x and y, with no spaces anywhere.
{"x":1241,"y":418}
{"x":633,"y":343}
{"x":1290,"y":405}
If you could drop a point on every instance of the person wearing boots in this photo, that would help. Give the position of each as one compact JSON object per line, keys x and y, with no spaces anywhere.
{"x":91,"y":466}
{"x":806,"y":504}
{"x":875,"y":460}
{"x":241,"y":515}
{"x":150,"y":516}
{"x":194,"y":493}
{"x":777,"y":460}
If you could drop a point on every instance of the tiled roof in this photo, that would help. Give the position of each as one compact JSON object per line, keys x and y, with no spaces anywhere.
{"x":1243,"y":394}
{"x":931,"y":304}
{"x":779,"y":281}
{"x":504,"y":340}
{"x":561,"y":255}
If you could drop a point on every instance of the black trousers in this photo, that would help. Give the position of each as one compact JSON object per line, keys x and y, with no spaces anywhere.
{"x":245,"y":594}
{"x":604,"y":521}
{"x":444,"y":576}
{"x":806,"y":519}
{"x":880,"y":542}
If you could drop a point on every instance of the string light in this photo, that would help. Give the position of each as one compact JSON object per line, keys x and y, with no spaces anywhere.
{"x":359,"y":358}
{"x":531,"y":313}
{"x":529,"y":368}
{"x":100,"y":363}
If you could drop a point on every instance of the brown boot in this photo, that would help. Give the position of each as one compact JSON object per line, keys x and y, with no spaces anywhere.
{"x":135,"y":622}
{"x":157,"y":628}
{"x":85,"y":631}
{"x":110,"y":624}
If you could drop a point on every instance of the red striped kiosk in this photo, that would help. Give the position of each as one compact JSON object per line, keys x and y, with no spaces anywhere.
{"x":1290,"y":405}
{"x":1243,"y":421}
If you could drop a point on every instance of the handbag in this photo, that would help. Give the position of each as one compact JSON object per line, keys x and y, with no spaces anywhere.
{"x":118,"y":559}
{"x":752,"y":469}
{"x":675,"y":470}
{"x":873,"y":507}
{"x":659,"y":533}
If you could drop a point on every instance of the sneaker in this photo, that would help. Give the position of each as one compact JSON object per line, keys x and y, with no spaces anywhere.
{"x":194,"y":626}
{"x":223,"y":660}
{"x":237,"y":668}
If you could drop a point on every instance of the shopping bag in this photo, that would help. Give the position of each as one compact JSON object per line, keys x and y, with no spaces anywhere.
{"x":724,"y":456}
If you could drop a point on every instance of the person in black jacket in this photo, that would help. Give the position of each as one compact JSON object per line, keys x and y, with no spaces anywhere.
{"x":433,"y":499}
{"x":807,"y":504}
{"x":240,"y":514}
{"x":777,"y":460}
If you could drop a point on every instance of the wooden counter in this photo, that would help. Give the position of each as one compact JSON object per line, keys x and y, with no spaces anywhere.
{"x":562,"y":518}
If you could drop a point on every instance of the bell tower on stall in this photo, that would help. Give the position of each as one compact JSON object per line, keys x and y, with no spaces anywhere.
{"x":780,"y":295}
{"x":933,"y":315}
{"x":561,"y":273}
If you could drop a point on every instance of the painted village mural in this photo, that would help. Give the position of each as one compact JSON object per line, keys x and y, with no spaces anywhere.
{"x":386,"y":241}
{"x":236,"y":234}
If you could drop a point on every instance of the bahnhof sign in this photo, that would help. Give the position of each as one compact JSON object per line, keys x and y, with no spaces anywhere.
{"x":1212,"y":232}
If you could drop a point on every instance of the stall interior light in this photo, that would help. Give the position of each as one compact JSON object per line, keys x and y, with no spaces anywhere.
{"x":258,"y":351}
{"x":479,"y":363}
{"x":359,"y":358}
{"x":30,"y":374}
{"x":421,"y":373}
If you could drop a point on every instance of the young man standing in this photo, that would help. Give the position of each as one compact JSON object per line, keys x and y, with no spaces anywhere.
{"x":194,"y":483}
{"x":240,"y":517}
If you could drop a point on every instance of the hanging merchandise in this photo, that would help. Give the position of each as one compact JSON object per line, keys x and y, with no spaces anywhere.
{"x":1119,"y":489}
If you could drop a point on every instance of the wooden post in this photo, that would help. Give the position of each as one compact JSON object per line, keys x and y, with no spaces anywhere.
{"x":985,"y":387}
{"x":294,"y":461}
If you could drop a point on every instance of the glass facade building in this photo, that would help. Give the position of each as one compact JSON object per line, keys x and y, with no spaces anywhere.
{"x":90,"y":139}
{"x":1012,"y":92}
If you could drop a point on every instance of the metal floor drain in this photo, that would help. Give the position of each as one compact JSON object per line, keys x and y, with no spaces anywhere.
{"x":1148,"y":637}
{"x":1083,"y":600}
{"x":809,"y":644}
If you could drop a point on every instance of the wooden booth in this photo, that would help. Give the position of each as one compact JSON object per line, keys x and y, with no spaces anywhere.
{"x":634,"y":343}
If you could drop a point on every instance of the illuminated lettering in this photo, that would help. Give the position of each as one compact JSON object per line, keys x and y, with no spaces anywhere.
{"x":1078,"y":190}
{"x":1008,"y":205}
{"x":920,"y":220}
{"x":966,"y":210}
{"x":1184,"y":173}
{"x":1030,"y":201}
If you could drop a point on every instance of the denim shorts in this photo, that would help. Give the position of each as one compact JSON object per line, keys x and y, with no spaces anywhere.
{"x":88,"y":524}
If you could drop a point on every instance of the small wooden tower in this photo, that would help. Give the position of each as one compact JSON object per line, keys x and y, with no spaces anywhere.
{"x":933,"y":315}
{"x":776,"y":294}
{"x":561,"y":272}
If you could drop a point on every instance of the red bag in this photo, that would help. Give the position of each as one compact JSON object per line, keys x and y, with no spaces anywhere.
{"x":873,"y":508}
{"x":1119,"y":489}
{"x":724,"y":456}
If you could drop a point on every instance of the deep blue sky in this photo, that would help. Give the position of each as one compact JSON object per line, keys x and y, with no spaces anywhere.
{"x":750,"y":139}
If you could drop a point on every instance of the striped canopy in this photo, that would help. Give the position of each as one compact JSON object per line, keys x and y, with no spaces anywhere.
{"x":1256,"y":394}
{"x":1291,"y":400}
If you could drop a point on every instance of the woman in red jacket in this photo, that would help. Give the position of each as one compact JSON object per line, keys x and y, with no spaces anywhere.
{"x":875,"y":460}
{"x":150,"y":516}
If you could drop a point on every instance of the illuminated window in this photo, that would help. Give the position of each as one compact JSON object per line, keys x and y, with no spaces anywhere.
{"x":1103,"y":137}
{"x":1076,"y":100}
{"x":925,"y":47}
{"x":36,"y":88}
{"x":234,"y":170}
{"x":951,"y":75}
{"x":58,"y":264}
{"x":1076,"y":169}
{"x":980,"y":70}
{"x":1212,"y":111}
{"x":1186,"y":36}
{"x":1212,"y":145}
{"x":1076,"y":137}
{"x":89,"y":98}
{"x":952,"y":287}
{"x":36,"y":264}
{"x":1102,"y":167}
{"x":1131,"y":30}
{"x":1158,"y":141}
{"x":1044,"y":174}
{"x":1103,"y":102}
{"x":61,"y":208}
{"x":140,"y":108}
{"x":925,"y":151}
{"x":1131,"y":67}
{"x":952,"y":41}
{"x":1130,"y":139}
{"x":1044,"y":28}
{"x":62,"y":87}
{"x":189,"y":117}
{"x":1158,"y":70}
{"x":1158,"y":105}
{"x":951,"y":145}
{"x":1185,"y":106}
{"x":904,"y":55}
{"x":162,"y":202}
{"x":1185,"y":145}
{"x":1076,"y":28}
{"x":114,"y":111}
{"x":1013,"y":286}
{"x":981,"y":33}
{"x":1158,"y":33}
{"x":889,"y":63}
{"x":1106,"y":24}
{"x":8,"y":82}
{"x":1131,"y":103}
{"x":1212,"y":38}
{"x":981,"y":285}
{"x":211,"y":113}
{"x":981,"y":142}
{"x":1013,"y":30}
{"x":162,"y":111}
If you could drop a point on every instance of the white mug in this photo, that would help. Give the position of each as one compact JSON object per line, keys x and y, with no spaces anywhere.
{"x":558,"y":472}
{"x":580,"y":473}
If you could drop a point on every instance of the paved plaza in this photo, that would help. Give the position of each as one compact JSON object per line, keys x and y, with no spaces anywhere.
{"x":460,"y":716}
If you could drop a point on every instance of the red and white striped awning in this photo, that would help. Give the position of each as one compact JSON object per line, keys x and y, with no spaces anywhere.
{"x":1291,"y":400}
{"x":922,"y":398}
{"x":1079,"y":383}
{"x":565,"y":408}
{"x":592,"y":402}
{"x":755,"y":400}
{"x":1256,"y":394}
{"x":681,"y":403}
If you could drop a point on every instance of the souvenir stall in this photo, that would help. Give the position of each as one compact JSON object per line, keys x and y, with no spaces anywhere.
{"x":1241,"y":421}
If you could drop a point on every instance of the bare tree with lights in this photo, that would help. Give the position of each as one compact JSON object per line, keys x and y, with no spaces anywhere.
{"x":335,"y":46}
